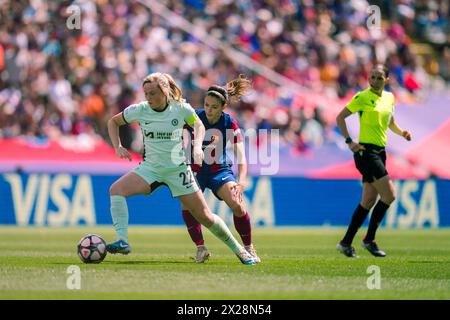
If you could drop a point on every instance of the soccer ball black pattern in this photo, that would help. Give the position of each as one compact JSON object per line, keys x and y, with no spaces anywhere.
{"x":92,"y":249}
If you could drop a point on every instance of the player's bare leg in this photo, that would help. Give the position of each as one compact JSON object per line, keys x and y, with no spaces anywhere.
{"x":241,"y":217}
{"x":196,"y":204}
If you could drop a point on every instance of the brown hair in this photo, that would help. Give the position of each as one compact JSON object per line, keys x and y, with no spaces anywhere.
{"x":167,"y":85}
{"x":382,"y":67}
{"x":234,"y":88}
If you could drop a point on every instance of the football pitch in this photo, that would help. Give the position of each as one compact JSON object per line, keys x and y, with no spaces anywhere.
{"x":297,"y":263}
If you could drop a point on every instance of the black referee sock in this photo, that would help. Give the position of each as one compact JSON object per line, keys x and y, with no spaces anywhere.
{"x":377,"y":216}
{"x":358,"y":218}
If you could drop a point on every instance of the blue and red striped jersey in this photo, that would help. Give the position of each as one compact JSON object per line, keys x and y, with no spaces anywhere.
{"x":223,"y":132}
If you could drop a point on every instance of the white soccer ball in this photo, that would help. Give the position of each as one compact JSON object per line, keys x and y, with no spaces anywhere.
{"x":92,"y":249}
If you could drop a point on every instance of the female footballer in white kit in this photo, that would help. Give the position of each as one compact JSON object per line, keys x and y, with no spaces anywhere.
{"x":161,"y":118}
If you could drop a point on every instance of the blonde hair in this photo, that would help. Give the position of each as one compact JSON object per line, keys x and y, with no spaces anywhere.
{"x":234,"y":88}
{"x":167,"y":85}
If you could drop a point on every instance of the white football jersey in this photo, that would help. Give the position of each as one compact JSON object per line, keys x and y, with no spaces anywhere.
{"x":162,"y":131}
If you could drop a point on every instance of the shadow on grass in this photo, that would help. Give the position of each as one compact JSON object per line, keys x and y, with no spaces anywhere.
{"x":149,"y":262}
{"x":131,"y":262}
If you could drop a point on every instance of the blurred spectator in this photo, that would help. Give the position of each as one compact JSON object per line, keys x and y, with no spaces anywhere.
{"x":56,"y":81}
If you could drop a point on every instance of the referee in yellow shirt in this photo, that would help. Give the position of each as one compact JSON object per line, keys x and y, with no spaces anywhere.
{"x":375,"y":108}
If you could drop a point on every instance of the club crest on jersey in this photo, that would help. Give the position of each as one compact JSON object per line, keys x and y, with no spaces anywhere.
{"x":174,"y":122}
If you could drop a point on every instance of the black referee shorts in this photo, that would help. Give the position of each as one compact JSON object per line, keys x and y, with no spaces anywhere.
{"x":371,"y":163}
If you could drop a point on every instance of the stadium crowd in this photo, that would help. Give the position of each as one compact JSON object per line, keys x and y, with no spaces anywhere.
{"x":57,"y":81}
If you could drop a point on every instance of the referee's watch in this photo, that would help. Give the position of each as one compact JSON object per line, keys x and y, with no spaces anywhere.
{"x":348,"y":140}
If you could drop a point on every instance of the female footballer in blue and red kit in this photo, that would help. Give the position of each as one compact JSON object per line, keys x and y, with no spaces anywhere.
{"x":215,"y":172}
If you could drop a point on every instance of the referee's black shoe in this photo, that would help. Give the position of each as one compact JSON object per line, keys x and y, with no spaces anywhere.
{"x":346,"y":250}
{"x":372,"y":247}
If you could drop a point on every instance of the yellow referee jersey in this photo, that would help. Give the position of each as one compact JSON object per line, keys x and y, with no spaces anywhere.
{"x":375,"y":113}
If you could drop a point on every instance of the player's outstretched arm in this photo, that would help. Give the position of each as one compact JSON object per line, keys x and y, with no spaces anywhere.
{"x":396,"y":129}
{"x":113,"y":130}
{"x":242,"y":169}
{"x":242,"y":162}
{"x":199,"y":135}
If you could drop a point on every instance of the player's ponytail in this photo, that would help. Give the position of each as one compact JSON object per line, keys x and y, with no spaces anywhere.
{"x":234,"y":88}
{"x":175,"y":91}
{"x":238,"y":87}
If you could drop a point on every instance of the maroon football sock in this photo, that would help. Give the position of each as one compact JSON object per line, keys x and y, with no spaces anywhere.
{"x":194,"y":228}
{"x":244,"y":228}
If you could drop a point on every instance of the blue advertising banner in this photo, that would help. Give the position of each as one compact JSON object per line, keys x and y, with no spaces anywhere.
{"x":68,"y":200}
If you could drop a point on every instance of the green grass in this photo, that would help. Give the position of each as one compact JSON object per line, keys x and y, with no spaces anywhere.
{"x":297,"y":263}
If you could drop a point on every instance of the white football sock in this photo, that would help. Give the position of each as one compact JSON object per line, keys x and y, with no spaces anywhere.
{"x":119,"y":214}
{"x":221,"y":231}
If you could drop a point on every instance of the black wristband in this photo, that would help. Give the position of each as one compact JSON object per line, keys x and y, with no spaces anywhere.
{"x":348,"y":140}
